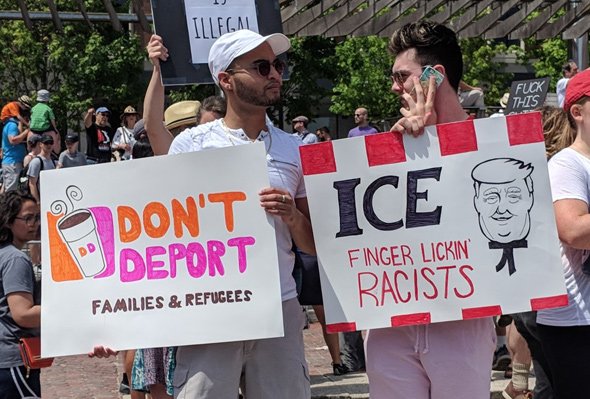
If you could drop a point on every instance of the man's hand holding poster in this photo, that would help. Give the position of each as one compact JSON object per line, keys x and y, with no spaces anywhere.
{"x":454,"y":224}
{"x":180,"y":241}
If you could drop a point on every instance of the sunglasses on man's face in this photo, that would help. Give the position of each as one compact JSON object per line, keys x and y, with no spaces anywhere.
{"x":263,"y":67}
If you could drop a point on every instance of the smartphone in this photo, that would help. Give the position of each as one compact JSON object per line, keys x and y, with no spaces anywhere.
{"x":427,"y":73}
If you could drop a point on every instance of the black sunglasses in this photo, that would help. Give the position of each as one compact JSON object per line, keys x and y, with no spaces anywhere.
{"x":263,"y":67}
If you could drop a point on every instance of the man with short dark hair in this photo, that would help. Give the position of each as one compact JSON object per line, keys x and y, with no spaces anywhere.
{"x":98,"y":135}
{"x":440,"y":360}
{"x":43,"y":161}
{"x":245,"y":66}
{"x":361,"y":118}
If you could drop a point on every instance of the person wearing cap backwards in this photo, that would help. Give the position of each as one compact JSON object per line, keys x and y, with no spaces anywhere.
{"x":565,"y":331}
{"x":15,"y":109}
{"x":43,"y":120}
{"x":300,"y":130}
{"x":71,"y":156}
{"x":245,"y":66}
{"x":98,"y":135}
{"x":123,"y":140}
{"x":41,"y":162}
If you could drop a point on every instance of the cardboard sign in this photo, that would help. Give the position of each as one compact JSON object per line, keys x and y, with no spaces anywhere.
{"x":155,"y":252}
{"x":527,"y":95}
{"x":190,"y":27}
{"x":455,"y":224}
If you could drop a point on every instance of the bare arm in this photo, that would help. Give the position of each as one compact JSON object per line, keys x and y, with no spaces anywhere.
{"x":88,"y":118}
{"x":573,"y":222}
{"x":33,"y":188}
{"x":294,"y":212}
{"x":24,"y":312}
{"x":153,"y":103}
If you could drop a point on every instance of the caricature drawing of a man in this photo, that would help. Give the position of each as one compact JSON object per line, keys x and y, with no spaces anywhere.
{"x":503,"y":200}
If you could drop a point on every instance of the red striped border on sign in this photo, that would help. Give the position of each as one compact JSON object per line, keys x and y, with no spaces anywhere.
{"x":482,"y":311}
{"x":385,"y":148}
{"x":317,"y":159}
{"x":410,"y":319}
{"x":549,"y":302}
{"x":340,"y":327}
{"x":456,"y":138}
{"x":524,"y":128}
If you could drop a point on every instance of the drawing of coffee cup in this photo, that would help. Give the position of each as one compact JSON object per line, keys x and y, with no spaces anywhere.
{"x":78,"y":230}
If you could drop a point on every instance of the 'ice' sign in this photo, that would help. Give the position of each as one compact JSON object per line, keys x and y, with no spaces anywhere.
{"x":526,"y":95}
{"x":208,"y":20}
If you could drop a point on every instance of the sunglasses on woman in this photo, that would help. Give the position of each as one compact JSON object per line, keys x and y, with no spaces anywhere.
{"x":263,"y":67}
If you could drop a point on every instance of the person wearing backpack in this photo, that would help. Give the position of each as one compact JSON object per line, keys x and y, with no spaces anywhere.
{"x":42,"y":162}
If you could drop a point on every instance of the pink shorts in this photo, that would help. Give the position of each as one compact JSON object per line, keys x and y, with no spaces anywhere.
{"x":435,"y":361}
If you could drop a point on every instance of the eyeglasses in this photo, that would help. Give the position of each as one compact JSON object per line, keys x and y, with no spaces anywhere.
{"x":48,"y":142}
{"x":400,"y":77}
{"x":359,"y":115}
{"x":263,"y":67}
{"x":30,"y":220}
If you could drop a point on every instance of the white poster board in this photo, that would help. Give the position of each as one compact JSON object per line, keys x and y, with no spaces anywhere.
{"x":163,"y":251}
{"x":208,"y":20}
{"x":455,"y":224}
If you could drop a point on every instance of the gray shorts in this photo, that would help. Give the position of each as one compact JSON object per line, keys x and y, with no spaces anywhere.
{"x":264,"y":369}
{"x":10,"y":175}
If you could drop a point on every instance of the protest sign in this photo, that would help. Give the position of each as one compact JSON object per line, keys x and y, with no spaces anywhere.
{"x":190,"y":27}
{"x":526,"y":95}
{"x":162,"y":251}
{"x":454,"y":224}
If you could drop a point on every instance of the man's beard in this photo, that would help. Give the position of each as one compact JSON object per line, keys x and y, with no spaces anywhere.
{"x":250,"y":96}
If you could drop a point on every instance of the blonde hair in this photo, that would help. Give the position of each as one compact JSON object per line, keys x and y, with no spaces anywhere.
{"x":557,"y":130}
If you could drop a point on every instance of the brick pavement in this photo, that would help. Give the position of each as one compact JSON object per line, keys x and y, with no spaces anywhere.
{"x":81,"y":377}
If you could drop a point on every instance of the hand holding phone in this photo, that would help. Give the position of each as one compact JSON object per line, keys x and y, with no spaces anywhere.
{"x":427,"y":73}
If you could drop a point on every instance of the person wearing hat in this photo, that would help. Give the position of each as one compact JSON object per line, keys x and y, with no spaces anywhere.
{"x":245,"y":66}
{"x":564,"y":331}
{"x":43,"y":120}
{"x":123,"y":140}
{"x":178,"y":116}
{"x":16,"y":109}
{"x":43,"y":161}
{"x":34,"y":147}
{"x":503,"y":104}
{"x":71,"y":156}
{"x":300,"y":130}
{"x":98,"y":135}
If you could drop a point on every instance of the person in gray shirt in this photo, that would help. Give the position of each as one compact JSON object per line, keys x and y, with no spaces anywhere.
{"x":41,"y":162}
{"x":71,"y":157}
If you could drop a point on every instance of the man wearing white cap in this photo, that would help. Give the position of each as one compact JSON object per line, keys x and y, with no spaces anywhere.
{"x":245,"y":66}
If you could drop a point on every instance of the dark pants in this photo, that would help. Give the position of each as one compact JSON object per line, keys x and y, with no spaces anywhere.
{"x":526,"y":324}
{"x":352,"y":350}
{"x":14,"y":383}
{"x":567,"y":350}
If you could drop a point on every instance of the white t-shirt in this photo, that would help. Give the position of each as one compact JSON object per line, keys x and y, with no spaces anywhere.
{"x":560,"y":90}
{"x":284,"y":170}
{"x":569,"y":173}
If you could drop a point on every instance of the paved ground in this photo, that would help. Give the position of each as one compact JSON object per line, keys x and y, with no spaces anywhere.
{"x":82,"y":378}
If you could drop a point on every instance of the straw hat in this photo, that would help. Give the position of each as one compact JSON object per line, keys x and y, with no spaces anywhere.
{"x":181,"y":113}
{"x":129,"y":111}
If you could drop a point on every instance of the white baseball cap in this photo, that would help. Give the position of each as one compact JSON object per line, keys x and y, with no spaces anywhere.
{"x":234,"y":44}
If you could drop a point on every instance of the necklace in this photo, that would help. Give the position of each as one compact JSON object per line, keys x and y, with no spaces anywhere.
{"x":233,"y":139}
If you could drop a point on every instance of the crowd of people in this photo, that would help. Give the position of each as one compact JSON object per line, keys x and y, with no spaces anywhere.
{"x":440,"y":360}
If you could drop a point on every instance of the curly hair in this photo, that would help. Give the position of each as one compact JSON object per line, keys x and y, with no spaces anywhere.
{"x":434,"y":44}
{"x":10,"y":205}
{"x":557,"y":130}
{"x":215,"y":104}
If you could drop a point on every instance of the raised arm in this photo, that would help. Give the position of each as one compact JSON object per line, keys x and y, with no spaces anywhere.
{"x":153,"y":103}
{"x":88,"y":118}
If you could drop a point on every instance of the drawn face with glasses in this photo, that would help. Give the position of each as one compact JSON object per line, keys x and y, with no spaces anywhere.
{"x":263,"y":67}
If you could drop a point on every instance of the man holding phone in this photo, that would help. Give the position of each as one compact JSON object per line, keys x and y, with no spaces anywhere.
{"x":440,"y":360}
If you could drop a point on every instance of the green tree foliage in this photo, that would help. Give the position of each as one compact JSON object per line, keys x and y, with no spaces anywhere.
{"x":82,"y":66}
{"x":481,"y":69}
{"x":364,"y":66}
{"x":311,"y":69}
{"x":548,"y":57}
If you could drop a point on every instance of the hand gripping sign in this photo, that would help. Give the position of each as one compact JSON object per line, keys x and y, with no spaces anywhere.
{"x":182,"y":242}
{"x":455,"y":224}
